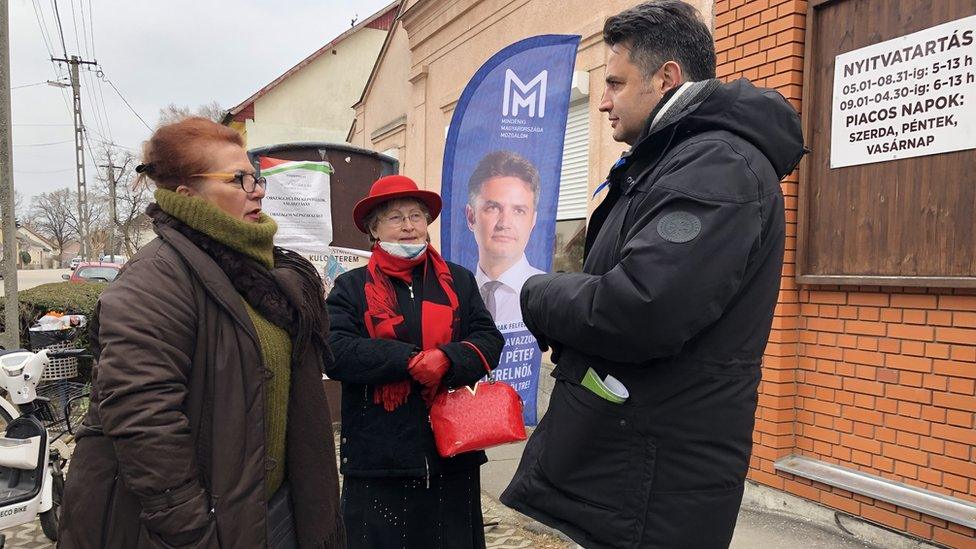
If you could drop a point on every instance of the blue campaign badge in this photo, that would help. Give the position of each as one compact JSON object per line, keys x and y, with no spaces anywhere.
{"x":679,"y":227}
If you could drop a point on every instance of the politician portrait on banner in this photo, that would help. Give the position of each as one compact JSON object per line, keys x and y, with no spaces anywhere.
{"x":500,"y":186}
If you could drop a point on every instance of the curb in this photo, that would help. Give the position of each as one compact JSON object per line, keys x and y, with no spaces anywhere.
{"x":763,"y":499}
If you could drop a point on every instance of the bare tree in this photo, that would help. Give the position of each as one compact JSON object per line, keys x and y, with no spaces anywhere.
{"x":19,"y":206}
{"x":51,"y":215}
{"x":97,"y":214}
{"x":131,"y":199}
{"x":173,"y":113}
{"x":211,"y":110}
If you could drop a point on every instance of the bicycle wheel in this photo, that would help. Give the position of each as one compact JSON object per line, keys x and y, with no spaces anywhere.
{"x":51,"y":519}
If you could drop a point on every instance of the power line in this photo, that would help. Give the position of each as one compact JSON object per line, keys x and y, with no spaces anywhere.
{"x":45,"y":171}
{"x":39,"y":15}
{"x":45,"y":35}
{"x":101,"y":99}
{"x":46,"y":144}
{"x":40,"y":125}
{"x":57,"y":16}
{"x":85,"y":31}
{"x":93,"y":99}
{"x":91,"y":27}
{"x":86,"y":76}
{"x":98,"y":92}
{"x":98,"y":100}
{"x":74,"y":22}
{"x":90,"y":150}
{"x":27,"y":85}
{"x":127,"y":103}
{"x":108,"y":141}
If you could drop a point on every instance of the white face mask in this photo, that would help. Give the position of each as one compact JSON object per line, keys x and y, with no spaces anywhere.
{"x":406,"y":251}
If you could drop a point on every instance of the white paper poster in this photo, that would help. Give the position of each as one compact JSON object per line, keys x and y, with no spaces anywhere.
{"x":911,"y":96}
{"x":336,"y":262}
{"x":298,"y":199}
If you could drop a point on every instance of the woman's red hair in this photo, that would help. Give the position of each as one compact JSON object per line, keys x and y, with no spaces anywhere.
{"x":178,"y":150}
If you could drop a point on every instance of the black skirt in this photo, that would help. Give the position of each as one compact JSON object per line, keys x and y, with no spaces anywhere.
{"x":406,"y":513}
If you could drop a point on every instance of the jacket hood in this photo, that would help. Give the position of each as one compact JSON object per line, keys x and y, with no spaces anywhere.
{"x":761,"y":116}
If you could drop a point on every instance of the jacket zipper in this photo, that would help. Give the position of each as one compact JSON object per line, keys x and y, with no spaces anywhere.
{"x":427,"y":467}
{"x":410,"y":287}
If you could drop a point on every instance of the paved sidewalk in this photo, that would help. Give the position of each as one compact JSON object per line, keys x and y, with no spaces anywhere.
{"x":753,"y":529}
{"x":508,"y":529}
{"x":27,"y":536}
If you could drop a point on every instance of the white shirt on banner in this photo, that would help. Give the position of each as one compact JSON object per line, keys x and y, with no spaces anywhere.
{"x":508,"y":310}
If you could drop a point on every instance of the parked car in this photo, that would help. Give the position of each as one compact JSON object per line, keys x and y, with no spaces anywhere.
{"x":74,"y":262}
{"x":118,"y":259}
{"x":94,"y":271}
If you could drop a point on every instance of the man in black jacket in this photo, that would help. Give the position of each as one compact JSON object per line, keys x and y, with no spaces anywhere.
{"x":681,"y":277}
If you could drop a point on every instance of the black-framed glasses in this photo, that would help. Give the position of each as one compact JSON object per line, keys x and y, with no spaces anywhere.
{"x":249,"y":182}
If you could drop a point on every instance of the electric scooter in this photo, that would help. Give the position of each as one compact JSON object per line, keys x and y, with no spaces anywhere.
{"x":31,"y":463}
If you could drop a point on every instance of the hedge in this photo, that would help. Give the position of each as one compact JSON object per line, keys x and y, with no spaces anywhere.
{"x":66,"y":297}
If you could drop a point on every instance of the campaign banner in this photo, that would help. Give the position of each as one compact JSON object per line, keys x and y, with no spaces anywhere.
{"x":298,"y":199}
{"x":500,"y":186}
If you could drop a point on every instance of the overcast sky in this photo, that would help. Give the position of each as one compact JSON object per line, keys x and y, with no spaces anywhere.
{"x":156,"y":53}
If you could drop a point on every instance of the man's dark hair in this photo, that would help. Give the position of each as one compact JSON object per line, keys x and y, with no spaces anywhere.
{"x":664,"y":30}
{"x":503,"y":164}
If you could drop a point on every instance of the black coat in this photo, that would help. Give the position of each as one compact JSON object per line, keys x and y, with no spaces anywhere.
{"x":681,"y":276}
{"x":377,"y":443}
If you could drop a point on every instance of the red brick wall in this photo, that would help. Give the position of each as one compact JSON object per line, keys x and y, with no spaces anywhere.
{"x":882,"y":380}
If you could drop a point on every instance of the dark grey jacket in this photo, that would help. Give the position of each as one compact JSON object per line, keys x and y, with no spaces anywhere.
{"x":681,"y":276}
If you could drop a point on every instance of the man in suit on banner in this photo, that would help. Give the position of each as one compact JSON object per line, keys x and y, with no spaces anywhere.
{"x":503,"y":194}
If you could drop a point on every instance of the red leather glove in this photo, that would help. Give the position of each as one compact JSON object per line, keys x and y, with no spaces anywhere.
{"x":429,"y":366}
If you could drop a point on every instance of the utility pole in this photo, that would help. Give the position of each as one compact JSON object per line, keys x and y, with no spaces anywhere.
{"x":11,"y":333}
{"x":113,"y":218}
{"x":83,"y":228}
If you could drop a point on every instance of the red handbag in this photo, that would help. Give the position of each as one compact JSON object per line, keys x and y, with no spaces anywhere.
{"x":474,"y":418}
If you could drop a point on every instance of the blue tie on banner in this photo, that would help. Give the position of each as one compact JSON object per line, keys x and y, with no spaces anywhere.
{"x":500,"y":186}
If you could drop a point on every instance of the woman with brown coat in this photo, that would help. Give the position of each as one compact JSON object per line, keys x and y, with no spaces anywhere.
{"x":208,"y":424}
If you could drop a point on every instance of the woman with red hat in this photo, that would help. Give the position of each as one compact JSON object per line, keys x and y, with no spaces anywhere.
{"x":402,"y":329}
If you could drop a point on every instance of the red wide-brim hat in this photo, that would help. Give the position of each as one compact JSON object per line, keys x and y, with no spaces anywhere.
{"x":392,"y":187}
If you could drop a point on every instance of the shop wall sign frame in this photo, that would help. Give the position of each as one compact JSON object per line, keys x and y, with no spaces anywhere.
{"x":905,"y":222}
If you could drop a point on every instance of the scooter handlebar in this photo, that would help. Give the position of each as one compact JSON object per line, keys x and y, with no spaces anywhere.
{"x":69,"y":353}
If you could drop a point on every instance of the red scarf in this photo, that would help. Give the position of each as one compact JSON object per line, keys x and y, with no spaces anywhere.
{"x":439,"y":320}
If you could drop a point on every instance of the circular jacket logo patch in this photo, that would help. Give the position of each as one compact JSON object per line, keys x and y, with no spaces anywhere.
{"x":679,"y":227}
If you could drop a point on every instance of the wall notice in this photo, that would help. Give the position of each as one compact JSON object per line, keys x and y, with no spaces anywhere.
{"x":910,"y":96}
{"x":298,"y":198}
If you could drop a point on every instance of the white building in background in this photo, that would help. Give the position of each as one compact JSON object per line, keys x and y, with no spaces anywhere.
{"x":312,"y":101}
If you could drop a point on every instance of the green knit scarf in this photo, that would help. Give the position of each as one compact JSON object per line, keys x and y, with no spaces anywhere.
{"x":255,"y":240}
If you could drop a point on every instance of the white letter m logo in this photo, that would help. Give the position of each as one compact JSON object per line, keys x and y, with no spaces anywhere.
{"x":531,"y":96}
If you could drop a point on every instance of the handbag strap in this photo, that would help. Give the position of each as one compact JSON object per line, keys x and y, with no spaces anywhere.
{"x":491,"y":375}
